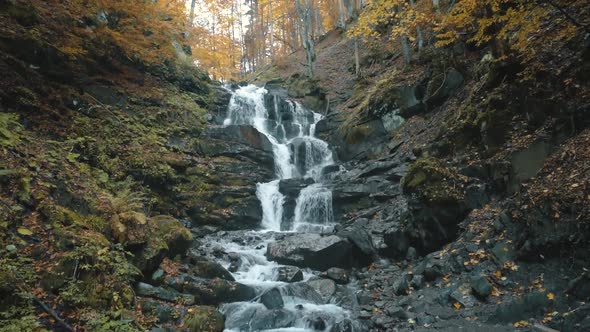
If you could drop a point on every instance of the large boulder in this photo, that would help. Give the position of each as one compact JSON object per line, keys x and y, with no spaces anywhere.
{"x":167,"y":237}
{"x":211,"y":291}
{"x":311,"y":250}
{"x":204,"y":267}
{"x":289,"y":274}
{"x":436,"y":202}
{"x":237,"y":141}
{"x":363,"y":250}
{"x":204,"y":319}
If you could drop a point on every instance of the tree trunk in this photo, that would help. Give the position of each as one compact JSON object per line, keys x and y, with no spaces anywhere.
{"x":341,"y":10}
{"x":357,"y":60}
{"x":406,"y":50}
{"x":191,"y":17}
{"x":305,"y":21}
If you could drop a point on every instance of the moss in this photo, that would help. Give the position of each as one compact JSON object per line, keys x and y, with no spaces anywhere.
{"x":10,"y":130}
{"x":434,"y":181}
{"x":60,"y":216}
{"x":204,"y":319}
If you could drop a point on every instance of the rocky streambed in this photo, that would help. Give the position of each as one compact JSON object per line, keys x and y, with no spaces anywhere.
{"x":317,"y":240}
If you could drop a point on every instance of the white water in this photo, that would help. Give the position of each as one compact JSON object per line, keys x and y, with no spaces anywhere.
{"x":290,"y":128}
{"x":313,"y":211}
{"x":272,"y":204}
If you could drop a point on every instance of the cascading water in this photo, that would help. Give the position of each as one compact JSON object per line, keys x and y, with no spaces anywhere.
{"x":313,"y":212}
{"x":290,"y":128}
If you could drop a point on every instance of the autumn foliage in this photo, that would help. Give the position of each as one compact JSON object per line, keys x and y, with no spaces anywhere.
{"x":510,"y":27}
{"x":143,"y":31}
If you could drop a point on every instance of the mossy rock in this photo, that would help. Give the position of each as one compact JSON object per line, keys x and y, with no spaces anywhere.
{"x":167,"y":237}
{"x":130,"y":228}
{"x":433,"y":181}
{"x":204,"y":319}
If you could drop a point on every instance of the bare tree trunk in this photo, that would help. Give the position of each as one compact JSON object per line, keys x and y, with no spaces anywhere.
{"x":271,"y":28}
{"x":305,"y":21}
{"x":419,"y":37}
{"x":342,"y":22}
{"x":191,"y":17}
{"x":406,"y":50}
{"x":357,"y":60}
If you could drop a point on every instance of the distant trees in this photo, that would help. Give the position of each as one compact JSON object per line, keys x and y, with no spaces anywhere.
{"x":259,"y":31}
{"x":508,"y":26}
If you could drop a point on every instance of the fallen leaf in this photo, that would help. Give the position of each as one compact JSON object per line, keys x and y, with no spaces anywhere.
{"x":551,"y":296}
{"x":457,"y":305}
{"x":24,"y":231}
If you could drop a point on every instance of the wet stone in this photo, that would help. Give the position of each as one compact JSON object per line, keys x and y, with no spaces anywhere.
{"x":272,"y":299}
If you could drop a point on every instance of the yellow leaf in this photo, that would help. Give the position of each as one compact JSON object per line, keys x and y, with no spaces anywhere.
{"x":24,"y":231}
{"x":551,"y":296}
{"x":522,"y":323}
{"x":457,"y":305}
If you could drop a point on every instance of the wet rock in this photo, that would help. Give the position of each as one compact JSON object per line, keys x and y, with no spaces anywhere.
{"x":272,"y":319}
{"x":411,"y":254}
{"x":579,"y":287}
{"x":289,"y":274}
{"x":239,"y":142}
{"x":290,"y":188}
{"x":211,"y":291}
{"x":272,"y":299}
{"x":318,"y":324}
{"x":417,"y":281}
{"x":340,"y":276}
{"x":397,"y":242}
{"x":363,"y":249}
{"x":204,"y":319}
{"x":530,"y":305}
{"x":504,"y":252}
{"x":481,"y":287}
{"x":235,"y":261}
{"x":397,"y":312}
{"x":401,"y":286}
{"x":205,"y":268}
{"x":343,"y":326}
{"x":311,"y":250}
{"x":147,"y":290}
{"x":303,"y":291}
{"x":463,"y":295}
{"x":325,"y":287}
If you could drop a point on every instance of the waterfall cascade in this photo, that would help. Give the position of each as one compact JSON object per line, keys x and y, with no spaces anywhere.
{"x":297,"y":154}
{"x":290,"y":128}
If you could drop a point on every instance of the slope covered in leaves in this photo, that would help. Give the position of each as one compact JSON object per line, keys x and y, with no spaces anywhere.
{"x":92,"y":185}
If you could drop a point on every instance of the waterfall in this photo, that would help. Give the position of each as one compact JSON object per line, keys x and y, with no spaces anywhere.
{"x":313,"y":211}
{"x":290,"y":128}
{"x":272,"y":204}
{"x":298,"y":155}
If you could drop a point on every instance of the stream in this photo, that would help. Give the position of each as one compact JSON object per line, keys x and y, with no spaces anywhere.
{"x":288,"y":298}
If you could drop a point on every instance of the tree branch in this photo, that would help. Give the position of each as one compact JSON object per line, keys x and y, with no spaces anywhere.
{"x":53,"y":314}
